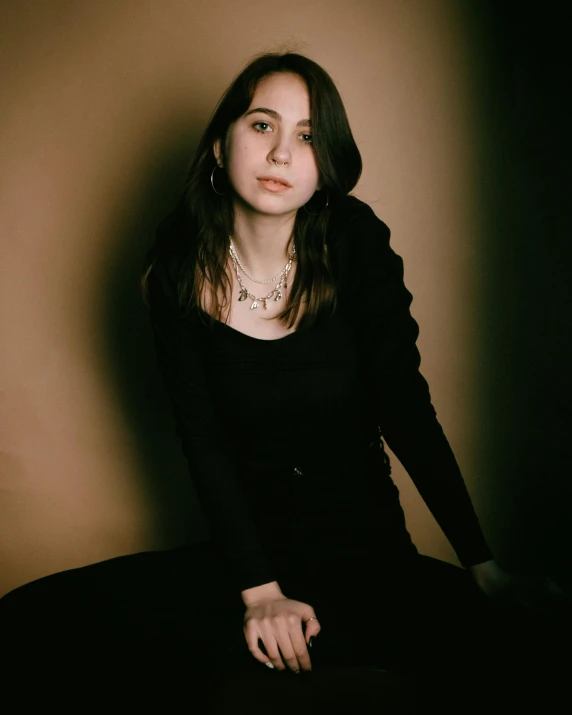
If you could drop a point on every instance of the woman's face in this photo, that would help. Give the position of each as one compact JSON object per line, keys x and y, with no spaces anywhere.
{"x":275,"y":128}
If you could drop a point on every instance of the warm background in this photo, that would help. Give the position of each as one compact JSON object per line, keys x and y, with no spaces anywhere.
{"x":458,"y":110}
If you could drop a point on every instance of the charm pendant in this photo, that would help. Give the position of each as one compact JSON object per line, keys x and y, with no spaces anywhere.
{"x":254,"y":305}
{"x":265,"y":306}
{"x":278,"y":295}
{"x":243,"y":295}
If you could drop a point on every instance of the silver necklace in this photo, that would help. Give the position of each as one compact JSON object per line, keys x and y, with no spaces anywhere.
{"x":276,"y":293}
{"x":234,"y":254}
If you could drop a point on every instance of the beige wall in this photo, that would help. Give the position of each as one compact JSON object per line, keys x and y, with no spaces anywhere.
{"x":102,"y":105}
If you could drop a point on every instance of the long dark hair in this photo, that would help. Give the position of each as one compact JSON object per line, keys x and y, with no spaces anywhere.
{"x":204,"y":220}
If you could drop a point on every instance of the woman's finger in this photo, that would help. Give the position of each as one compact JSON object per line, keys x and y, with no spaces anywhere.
{"x":252,"y":636}
{"x":272,"y":648}
{"x":300,"y":648}
{"x":311,"y":628}
{"x":281,"y":639}
{"x":283,"y":628}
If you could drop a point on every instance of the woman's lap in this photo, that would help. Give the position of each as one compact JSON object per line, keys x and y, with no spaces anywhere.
{"x":427,"y":618}
{"x":177,"y":612}
{"x":390,"y":613}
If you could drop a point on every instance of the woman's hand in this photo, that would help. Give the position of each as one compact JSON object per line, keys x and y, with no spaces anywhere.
{"x":533,"y":592}
{"x":277,"y":621}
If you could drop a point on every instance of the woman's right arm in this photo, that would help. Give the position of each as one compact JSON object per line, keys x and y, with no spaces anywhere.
{"x":180,"y":348}
{"x":270,"y":616}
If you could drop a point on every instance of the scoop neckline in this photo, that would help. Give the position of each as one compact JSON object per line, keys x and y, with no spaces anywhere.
{"x":244,"y":336}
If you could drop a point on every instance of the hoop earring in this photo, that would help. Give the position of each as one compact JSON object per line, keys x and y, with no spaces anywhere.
{"x":216,"y":166}
{"x":320,"y":211}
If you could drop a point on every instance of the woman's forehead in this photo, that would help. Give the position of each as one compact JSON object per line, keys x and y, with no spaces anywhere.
{"x":285,"y":89}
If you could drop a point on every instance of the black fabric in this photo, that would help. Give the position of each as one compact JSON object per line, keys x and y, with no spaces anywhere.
{"x":166,"y":629}
{"x":282,"y":442}
{"x":252,"y":413}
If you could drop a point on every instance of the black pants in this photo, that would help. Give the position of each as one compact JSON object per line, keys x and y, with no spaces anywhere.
{"x":170,"y":625}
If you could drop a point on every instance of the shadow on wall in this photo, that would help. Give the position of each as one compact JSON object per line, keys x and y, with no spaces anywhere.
{"x":526,"y":268}
{"x":133,"y":375}
{"x":525,"y":260}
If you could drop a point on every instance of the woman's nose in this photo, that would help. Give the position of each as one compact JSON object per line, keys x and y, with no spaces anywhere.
{"x":281,"y":152}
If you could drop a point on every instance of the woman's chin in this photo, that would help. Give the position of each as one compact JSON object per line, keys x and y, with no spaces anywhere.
{"x":273,"y":205}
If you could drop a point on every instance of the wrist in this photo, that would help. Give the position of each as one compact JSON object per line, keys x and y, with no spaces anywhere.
{"x":489,"y":577}
{"x":486,"y":570}
{"x":257,"y":593}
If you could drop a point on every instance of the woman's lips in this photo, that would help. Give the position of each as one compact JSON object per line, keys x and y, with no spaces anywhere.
{"x":273,"y":186}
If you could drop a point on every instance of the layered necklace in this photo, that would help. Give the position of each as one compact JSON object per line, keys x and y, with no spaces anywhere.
{"x":275,"y":294}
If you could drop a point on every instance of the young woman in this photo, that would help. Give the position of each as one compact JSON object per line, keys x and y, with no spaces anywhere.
{"x":285,"y":341}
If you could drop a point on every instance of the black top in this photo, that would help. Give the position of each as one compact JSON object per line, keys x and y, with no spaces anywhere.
{"x":278,"y":432}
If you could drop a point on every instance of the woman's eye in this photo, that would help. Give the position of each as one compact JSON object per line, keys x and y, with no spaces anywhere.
{"x":265,"y":128}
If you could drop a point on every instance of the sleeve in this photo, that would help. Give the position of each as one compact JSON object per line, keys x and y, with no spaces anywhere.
{"x":402,"y":403}
{"x":180,"y":349}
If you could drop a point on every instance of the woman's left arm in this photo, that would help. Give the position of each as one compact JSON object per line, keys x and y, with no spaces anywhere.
{"x":387,"y":334}
{"x":378,"y":303}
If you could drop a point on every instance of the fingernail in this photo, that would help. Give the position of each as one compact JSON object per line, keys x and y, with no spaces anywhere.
{"x":269,"y":665}
{"x":311,"y":641}
{"x":297,"y":672}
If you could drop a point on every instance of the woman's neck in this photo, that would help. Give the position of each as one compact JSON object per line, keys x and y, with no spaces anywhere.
{"x":261,"y":241}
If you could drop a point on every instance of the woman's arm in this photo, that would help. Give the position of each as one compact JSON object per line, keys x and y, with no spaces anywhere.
{"x":180,"y":347}
{"x":387,"y":334}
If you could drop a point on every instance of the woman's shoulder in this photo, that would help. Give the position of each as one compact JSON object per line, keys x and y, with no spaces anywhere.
{"x":359,"y":211}
{"x":167,"y":257}
{"x":361,"y":227}
{"x":360,"y":237}
{"x":161,"y":280}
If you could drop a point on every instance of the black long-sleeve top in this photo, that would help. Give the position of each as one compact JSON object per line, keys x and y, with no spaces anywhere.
{"x":261,"y":419}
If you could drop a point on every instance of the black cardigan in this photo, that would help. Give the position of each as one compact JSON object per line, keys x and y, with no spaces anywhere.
{"x":372,"y":294}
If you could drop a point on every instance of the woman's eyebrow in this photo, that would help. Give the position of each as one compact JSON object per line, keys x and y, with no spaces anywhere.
{"x":274,"y":114}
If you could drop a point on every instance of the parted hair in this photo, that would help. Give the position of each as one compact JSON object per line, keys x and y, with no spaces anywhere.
{"x":201,"y":224}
